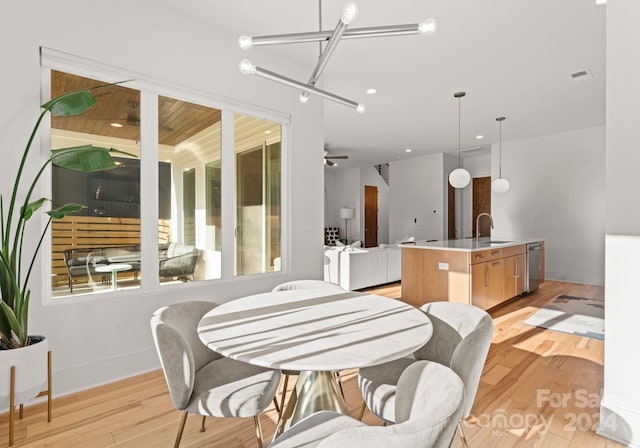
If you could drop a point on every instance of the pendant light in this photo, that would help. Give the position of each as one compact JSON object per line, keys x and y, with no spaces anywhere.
{"x":500,"y":185}
{"x":459,"y":178}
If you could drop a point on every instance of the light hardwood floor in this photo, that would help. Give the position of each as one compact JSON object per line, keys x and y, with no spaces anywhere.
{"x":519,"y":402}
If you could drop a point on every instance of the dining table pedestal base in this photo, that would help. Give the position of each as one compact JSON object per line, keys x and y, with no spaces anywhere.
{"x":315,"y":391}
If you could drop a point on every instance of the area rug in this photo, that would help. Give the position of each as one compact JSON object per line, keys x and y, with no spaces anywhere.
{"x":574,"y":315}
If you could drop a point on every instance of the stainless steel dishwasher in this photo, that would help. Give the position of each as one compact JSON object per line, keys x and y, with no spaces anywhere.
{"x":533,"y":266}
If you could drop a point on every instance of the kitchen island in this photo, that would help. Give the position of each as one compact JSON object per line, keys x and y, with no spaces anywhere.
{"x":482,"y":272}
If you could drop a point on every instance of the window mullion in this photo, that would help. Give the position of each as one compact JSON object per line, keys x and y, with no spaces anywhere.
{"x":149,"y":188}
{"x":228,"y":196}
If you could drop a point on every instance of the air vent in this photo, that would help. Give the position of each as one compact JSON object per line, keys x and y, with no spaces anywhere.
{"x":581,"y":75}
{"x":475,"y":151}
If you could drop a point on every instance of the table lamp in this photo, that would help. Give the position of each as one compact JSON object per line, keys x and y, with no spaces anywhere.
{"x":346,"y":213}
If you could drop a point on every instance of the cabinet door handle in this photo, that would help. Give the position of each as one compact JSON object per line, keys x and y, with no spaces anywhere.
{"x":495,"y":253}
{"x":496,"y":263}
{"x":479,"y":257}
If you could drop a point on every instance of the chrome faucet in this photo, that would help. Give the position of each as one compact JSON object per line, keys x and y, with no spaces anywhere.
{"x":478,"y":224}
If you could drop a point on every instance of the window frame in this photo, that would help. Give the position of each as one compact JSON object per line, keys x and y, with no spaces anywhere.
{"x":150,"y":90}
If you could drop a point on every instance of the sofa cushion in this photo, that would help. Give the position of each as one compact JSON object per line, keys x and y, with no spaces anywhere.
{"x":177,"y":249}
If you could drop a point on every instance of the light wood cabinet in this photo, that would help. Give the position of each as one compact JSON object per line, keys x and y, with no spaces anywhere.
{"x":514,"y":271}
{"x":484,"y":278}
{"x":434,"y":275}
{"x":488,"y":283}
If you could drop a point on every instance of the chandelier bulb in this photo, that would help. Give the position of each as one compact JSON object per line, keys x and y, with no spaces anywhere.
{"x":247,"y":68}
{"x":349,"y":13}
{"x":304,"y":97}
{"x":428,"y":26}
{"x":360,"y":109}
{"x":245,"y":42}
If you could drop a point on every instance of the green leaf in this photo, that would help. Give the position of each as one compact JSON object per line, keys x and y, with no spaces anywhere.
{"x":73,"y":103}
{"x":31,"y":208}
{"x":65,"y":210}
{"x":86,"y":158}
{"x":11,"y":317}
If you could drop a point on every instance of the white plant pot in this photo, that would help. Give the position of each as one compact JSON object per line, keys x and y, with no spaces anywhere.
{"x":31,"y":372}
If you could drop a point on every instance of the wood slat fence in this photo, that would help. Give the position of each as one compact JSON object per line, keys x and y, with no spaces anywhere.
{"x":94,"y":231}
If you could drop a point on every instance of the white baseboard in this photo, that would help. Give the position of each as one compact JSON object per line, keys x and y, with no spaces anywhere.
{"x":82,"y":377}
{"x":619,"y":425}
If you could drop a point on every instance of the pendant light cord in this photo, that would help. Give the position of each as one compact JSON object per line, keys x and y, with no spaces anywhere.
{"x":459,"y":155}
{"x":500,"y":166}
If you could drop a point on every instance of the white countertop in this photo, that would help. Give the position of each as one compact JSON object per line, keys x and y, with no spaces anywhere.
{"x":471,"y":244}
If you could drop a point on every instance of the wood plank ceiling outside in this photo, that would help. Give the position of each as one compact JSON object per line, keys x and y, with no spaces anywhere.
{"x":178,"y":120}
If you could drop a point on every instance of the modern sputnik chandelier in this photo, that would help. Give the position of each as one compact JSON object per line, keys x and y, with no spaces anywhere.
{"x":332,"y":38}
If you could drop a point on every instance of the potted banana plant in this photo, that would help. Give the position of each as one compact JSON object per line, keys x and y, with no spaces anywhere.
{"x":17,"y":347}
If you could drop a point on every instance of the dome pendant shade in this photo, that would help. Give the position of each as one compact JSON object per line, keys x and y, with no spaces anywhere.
{"x":459,"y":178}
{"x":500,"y":185}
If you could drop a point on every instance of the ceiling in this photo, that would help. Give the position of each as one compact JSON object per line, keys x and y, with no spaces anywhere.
{"x":512,"y":57}
{"x":117,"y":112}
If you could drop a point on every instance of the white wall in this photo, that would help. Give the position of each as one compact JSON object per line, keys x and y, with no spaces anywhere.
{"x":347,"y":191}
{"x":345,"y":188}
{"x":98,"y":340}
{"x":370,"y":176}
{"x":417,"y":189}
{"x":331,"y":207}
{"x":557,"y":194}
{"x":620,"y":406}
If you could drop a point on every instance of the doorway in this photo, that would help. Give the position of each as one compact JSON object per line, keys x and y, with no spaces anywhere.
{"x":370,"y":216}
{"x":481,"y":204}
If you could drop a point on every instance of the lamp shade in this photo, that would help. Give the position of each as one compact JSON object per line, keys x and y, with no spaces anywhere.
{"x":346,"y":213}
{"x":459,"y":178}
{"x":500,"y":185}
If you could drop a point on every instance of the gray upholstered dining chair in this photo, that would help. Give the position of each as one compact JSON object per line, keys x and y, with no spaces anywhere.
{"x":298,"y":285}
{"x":461,"y":339}
{"x":308,"y":284}
{"x":200,"y":380}
{"x":429,"y":401}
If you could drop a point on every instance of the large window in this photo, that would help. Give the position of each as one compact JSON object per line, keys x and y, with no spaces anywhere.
{"x":103,"y":242}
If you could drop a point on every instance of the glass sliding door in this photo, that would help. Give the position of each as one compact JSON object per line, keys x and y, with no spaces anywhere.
{"x":258,"y":195}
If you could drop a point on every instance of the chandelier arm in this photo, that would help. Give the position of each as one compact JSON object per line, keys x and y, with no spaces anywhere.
{"x":319,"y":36}
{"x":267,"y":74}
{"x":328,"y":51}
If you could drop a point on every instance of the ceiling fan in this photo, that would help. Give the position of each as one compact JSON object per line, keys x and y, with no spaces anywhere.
{"x":133,"y":117}
{"x":327,"y":158}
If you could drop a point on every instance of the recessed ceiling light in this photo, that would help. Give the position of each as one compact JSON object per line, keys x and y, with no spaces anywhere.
{"x":408,"y":150}
{"x":371,"y":91}
{"x":600,"y":2}
{"x":479,"y":137}
{"x":116,"y":125}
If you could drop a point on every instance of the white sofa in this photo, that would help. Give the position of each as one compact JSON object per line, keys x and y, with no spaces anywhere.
{"x":355,"y":268}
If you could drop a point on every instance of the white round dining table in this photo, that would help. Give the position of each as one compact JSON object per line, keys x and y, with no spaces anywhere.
{"x":316,"y":332}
